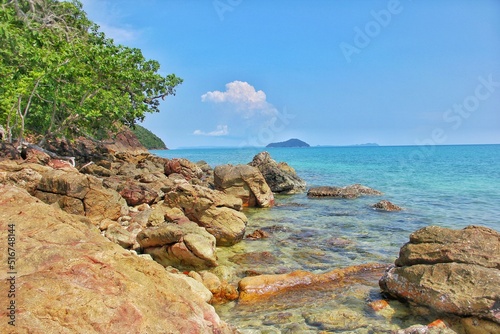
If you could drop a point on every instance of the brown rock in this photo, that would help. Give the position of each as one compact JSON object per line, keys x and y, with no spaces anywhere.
{"x":72,"y":280}
{"x":184,"y":167}
{"x":211,"y":209}
{"x":258,"y":234}
{"x":245,"y":182}
{"x":26,"y":178}
{"x":120,"y":236}
{"x":449,"y":271}
{"x":433,"y":244}
{"x":186,"y":245}
{"x":255,"y":288}
{"x":138,"y":193}
{"x":280,"y":177}
{"x":348,"y":192}
{"x":386,"y":206}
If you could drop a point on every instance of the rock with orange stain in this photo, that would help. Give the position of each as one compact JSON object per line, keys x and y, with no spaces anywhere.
{"x":254,"y":288}
{"x":437,"y":324}
{"x":378,"y":305}
{"x":73,"y":280}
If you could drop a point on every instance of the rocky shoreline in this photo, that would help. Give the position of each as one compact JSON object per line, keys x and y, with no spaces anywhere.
{"x":135,"y":236}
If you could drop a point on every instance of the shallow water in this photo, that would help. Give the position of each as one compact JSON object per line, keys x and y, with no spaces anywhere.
{"x":451,"y":186}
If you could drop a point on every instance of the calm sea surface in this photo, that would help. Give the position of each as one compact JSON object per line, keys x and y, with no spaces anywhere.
{"x":450,"y":186}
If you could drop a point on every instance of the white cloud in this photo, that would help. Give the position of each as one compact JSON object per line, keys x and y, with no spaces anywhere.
{"x":221,"y":130}
{"x":243,"y":96}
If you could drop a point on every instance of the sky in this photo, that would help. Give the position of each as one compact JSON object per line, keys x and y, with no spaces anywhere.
{"x":329,"y":72}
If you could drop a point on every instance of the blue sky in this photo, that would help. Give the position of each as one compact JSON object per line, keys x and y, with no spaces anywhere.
{"x":328,"y":72}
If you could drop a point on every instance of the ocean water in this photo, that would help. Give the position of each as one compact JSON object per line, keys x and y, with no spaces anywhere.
{"x":449,"y":186}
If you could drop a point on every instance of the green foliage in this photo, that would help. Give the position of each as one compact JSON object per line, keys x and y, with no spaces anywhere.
{"x":148,"y":139}
{"x":60,"y":76}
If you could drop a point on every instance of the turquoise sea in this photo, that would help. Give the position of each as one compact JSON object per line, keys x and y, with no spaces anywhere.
{"x":450,"y":186}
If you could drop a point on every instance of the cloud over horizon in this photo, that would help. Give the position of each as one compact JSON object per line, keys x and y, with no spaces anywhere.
{"x":222,"y":130}
{"x":246,"y":100}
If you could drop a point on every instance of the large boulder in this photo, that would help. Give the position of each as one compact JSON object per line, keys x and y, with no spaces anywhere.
{"x":183,"y":245}
{"x":245,"y":182}
{"x":72,"y":280}
{"x":184,"y":167}
{"x":98,"y":202}
{"x":349,"y":192}
{"x":450,"y":271}
{"x":280,"y":177}
{"x":217,"y":212}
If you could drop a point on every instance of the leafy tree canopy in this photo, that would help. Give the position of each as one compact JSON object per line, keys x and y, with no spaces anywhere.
{"x":61,"y":77}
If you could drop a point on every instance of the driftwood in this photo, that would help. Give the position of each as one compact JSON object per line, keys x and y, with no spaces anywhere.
{"x":25,"y":146}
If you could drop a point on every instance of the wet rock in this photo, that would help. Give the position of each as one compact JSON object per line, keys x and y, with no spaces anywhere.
{"x":336,"y":320}
{"x":338,"y":242}
{"x":186,"y":245}
{"x":222,"y":292}
{"x":215,"y":211}
{"x":421,"y":329}
{"x":75,"y":281}
{"x":280,"y":177}
{"x":450,"y":271}
{"x":479,"y":326}
{"x":255,"y":288}
{"x":258,"y":234}
{"x":348,"y":192}
{"x":255,"y":258}
{"x":245,"y":182}
{"x":386,"y":206}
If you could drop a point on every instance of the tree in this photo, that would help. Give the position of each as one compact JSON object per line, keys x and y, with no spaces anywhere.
{"x":60,"y":76}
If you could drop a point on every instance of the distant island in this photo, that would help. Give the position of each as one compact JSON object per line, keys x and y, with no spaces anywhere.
{"x":290,"y":143}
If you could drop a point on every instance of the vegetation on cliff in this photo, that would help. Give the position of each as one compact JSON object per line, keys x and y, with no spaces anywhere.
{"x":61,"y":77}
{"x":148,"y":139}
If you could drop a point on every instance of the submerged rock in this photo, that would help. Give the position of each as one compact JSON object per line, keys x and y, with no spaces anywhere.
{"x":254,"y":288}
{"x":349,"y":192}
{"x":450,"y":271}
{"x":245,"y":182}
{"x":73,"y":280}
{"x":280,"y":177}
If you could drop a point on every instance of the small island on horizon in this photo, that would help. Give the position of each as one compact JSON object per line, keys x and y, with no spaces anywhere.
{"x":290,"y":143}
